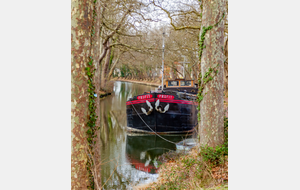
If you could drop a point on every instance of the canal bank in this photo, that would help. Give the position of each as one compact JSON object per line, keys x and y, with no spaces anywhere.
{"x":201,"y":168}
{"x":143,"y":82}
{"x":189,"y":171}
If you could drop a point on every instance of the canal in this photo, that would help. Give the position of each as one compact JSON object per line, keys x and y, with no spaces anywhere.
{"x":128,"y":159}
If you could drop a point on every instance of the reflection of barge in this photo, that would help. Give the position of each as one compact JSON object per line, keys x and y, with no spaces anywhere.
{"x":143,"y":150}
{"x":169,"y":111}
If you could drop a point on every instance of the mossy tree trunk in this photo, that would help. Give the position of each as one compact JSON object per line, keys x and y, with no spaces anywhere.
{"x":211,"y":126}
{"x":82,"y":46}
{"x":105,"y":67}
{"x":226,"y":66}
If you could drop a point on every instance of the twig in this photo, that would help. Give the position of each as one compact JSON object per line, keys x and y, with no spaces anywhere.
{"x":206,"y":167}
{"x":110,"y":175}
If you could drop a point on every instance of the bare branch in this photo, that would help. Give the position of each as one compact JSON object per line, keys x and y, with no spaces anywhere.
{"x":170,"y":17}
{"x":114,"y":65}
{"x":117,"y":28}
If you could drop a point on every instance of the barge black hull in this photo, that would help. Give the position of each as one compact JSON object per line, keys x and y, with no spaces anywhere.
{"x":180,"y":117}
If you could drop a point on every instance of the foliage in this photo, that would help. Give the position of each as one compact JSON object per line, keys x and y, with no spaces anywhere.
{"x":91,"y":124}
{"x":226,"y":131}
{"x":216,"y":155}
{"x":125,"y":71}
{"x":112,"y":55}
{"x":190,"y":171}
{"x":207,"y":77}
{"x":202,"y":38}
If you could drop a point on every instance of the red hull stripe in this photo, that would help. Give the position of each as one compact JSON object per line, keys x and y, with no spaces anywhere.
{"x":162,"y":100}
{"x":139,"y":101}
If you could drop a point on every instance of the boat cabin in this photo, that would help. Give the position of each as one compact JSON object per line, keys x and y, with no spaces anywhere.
{"x":181,"y":85}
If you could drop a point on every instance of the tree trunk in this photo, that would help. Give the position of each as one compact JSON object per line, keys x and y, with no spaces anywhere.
{"x":113,"y":67}
{"x":105,"y":66}
{"x":226,"y":67}
{"x":81,"y":21}
{"x":211,"y":126}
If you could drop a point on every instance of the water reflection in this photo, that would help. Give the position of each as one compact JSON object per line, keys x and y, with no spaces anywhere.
{"x":143,"y":150}
{"x":127,"y":159}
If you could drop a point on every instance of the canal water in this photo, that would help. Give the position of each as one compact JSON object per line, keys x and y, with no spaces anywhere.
{"x":128,"y":159}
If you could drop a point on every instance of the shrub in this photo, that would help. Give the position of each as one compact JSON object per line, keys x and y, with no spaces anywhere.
{"x":216,"y":155}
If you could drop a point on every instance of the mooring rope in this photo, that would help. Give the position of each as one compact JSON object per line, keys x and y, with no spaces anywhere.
{"x":150,"y":127}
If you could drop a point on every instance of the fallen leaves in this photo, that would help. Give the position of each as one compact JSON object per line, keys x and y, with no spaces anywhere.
{"x":220,"y":173}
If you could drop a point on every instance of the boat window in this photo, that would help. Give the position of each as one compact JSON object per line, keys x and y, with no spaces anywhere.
{"x":173,"y":83}
{"x":185,"y":83}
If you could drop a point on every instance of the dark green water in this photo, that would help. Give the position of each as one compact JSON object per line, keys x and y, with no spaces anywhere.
{"x":128,"y":159}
